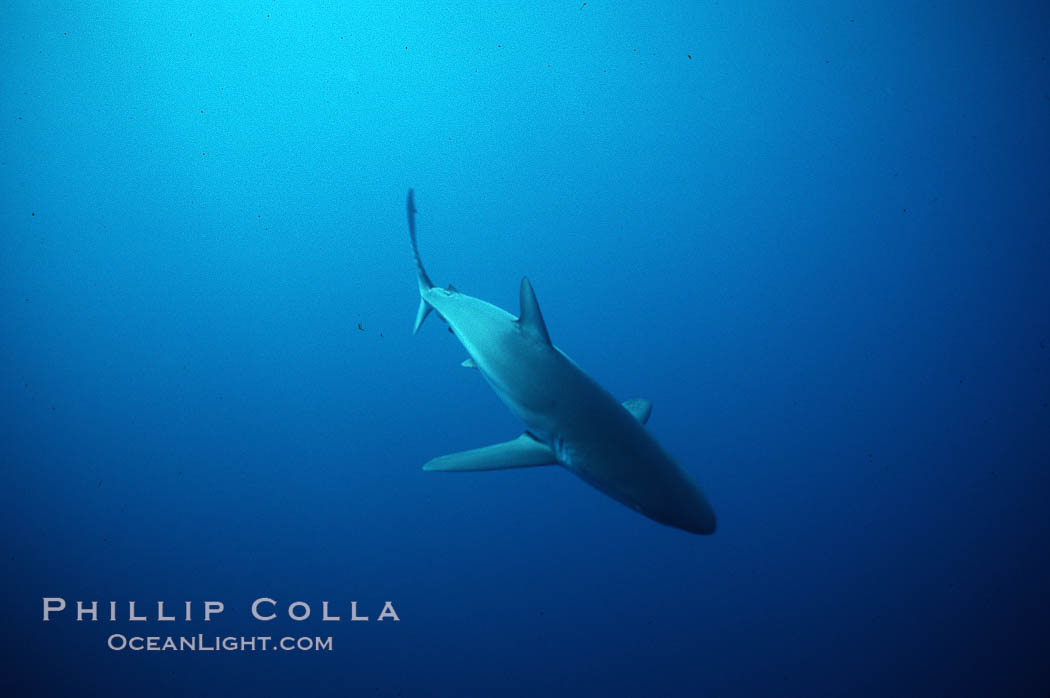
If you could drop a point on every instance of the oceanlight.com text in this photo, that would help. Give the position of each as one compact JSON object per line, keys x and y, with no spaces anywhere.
{"x":216,"y":643}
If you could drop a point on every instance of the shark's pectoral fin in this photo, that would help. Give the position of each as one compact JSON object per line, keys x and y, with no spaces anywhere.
{"x":640,"y":408}
{"x":468,"y":363}
{"x":522,"y":452}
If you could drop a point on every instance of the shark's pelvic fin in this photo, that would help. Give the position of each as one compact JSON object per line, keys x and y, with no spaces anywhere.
{"x":640,"y":408}
{"x":468,"y":363}
{"x":522,"y":452}
{"x":530,"y":317}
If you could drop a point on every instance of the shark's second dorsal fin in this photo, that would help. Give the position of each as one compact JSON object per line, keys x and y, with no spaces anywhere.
{"x":530,"y":316}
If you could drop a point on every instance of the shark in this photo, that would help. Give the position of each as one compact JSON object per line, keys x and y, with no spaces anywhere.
{"x":570,"y":420}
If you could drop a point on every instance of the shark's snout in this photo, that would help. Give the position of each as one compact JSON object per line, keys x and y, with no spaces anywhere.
{"x":700,"y":519}
{"x":689,"y":510}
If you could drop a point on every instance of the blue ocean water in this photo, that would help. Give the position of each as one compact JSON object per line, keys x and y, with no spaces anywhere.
{"x":815,"y":236}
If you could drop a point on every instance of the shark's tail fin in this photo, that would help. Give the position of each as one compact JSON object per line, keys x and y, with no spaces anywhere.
{"x":421,"y":314}
{"x":421,"y":273}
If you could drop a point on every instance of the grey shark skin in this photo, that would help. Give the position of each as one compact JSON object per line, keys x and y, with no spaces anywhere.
{"x":570,"y":419}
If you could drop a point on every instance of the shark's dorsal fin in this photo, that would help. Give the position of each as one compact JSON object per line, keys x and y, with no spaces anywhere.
{"x":522,"y":452}
{"x":530,"y":317}
{"x":640,"y":408}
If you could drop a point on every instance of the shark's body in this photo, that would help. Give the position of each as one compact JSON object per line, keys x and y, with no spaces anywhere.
{"x":570,"y":419}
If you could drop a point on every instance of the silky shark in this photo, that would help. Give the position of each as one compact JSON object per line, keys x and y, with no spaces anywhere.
{"x":570,"y":420}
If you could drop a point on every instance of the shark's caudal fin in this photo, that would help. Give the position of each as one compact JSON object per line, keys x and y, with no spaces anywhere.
{"x":421,"y":314}
{"x":421,"y":273}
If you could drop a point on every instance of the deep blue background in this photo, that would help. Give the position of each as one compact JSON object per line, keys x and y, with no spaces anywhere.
{"x":815,"y":236}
